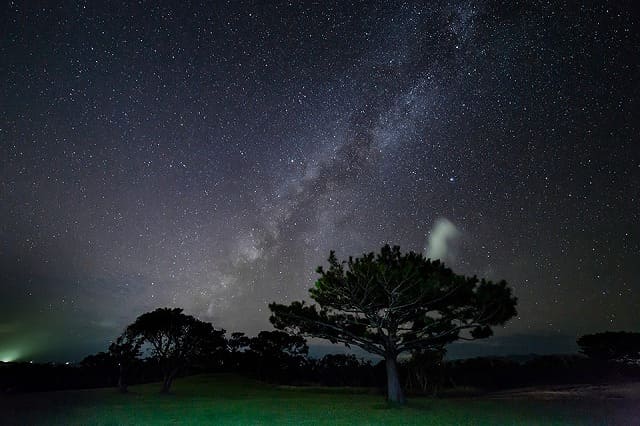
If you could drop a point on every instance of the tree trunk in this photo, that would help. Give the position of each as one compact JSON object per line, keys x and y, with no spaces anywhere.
{"x":394,"y":390}
{"x":166,"y":384}
{"x":168,"y":380}
{"x":122,"y":384}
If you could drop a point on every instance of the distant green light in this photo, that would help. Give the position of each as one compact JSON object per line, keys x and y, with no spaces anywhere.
{"x":9,"y":355}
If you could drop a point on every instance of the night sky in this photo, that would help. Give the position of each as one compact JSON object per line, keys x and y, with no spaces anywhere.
{"x":209,"y":155}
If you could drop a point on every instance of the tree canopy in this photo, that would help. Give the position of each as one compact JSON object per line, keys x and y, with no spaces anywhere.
{"x":277,"y":353}
{"x":125,"y":351}
{"x":175,"y":339}
{"x":389,"y":303}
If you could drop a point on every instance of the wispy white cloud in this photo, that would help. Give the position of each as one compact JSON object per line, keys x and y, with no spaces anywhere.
{"x":441,"y":241}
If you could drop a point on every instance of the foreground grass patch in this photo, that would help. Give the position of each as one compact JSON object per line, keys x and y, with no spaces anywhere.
{"x":227,"y":399}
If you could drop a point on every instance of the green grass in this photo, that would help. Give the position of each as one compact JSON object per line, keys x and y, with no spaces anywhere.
{"x":227,"y":399}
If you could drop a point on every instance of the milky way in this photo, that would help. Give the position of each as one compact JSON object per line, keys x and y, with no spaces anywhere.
{"x":208,"y":156}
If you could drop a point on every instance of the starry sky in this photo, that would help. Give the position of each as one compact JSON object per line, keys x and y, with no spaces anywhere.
{"x":209,"y":155}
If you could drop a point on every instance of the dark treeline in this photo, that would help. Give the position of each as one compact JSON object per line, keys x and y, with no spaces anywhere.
{"x":165,"y":344}
{"x":272,"y":356}
{"x":277,"y":358}
{"x":29,"y":377}
{"x":496,"y":373}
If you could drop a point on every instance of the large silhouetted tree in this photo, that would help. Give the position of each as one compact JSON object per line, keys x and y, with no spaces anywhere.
{"x":390,"y":303}
{"x":175,"y":340}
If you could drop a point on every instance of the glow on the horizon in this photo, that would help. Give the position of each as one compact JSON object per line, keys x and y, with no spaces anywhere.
{"x":9,"y":355}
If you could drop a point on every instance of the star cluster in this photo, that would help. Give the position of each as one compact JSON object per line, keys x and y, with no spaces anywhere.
{"x":208,"y":155}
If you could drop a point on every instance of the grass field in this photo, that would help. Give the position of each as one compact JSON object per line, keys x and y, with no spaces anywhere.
{"x":227,"y":399}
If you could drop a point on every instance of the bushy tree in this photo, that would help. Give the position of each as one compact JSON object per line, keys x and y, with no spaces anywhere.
{"x":343,"y":370}
{"x":99,"y":361}
{"x":276,"y":354}
{"x":124,"y":351}
{"x":389,"y":303}
{"x":175,"y":340}
{"x":100,"y":368}
{"x":426,"y":371}
{"x":237,"y":345}
{"x":238,"y":342}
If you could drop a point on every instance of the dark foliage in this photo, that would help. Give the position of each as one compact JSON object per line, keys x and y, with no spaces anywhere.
{"x":176,"y":341}
{"x":276,"y":356}
{"x":28,"y":377}
{"x":494,"y":373}
{"x":237,"y":345}
{"x":390,"y":303}
{"x":346,"y":370}
{"x":124,"y":352}
{"x":425,"y":371}
{"x":617,"y":346}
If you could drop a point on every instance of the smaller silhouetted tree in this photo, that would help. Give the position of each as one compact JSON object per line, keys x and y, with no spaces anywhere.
{"x":238,"y":342}
{"x":175,"y":340}
{"x":237,"y":346}
{"x":617,"y":346}
{"x":100,"y":368}
{"x":344,"y":370}
{"x":99,"y":361}
{"x":276,"y":354}
{"x":426,"y":370}
{"x":124,"y":351}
